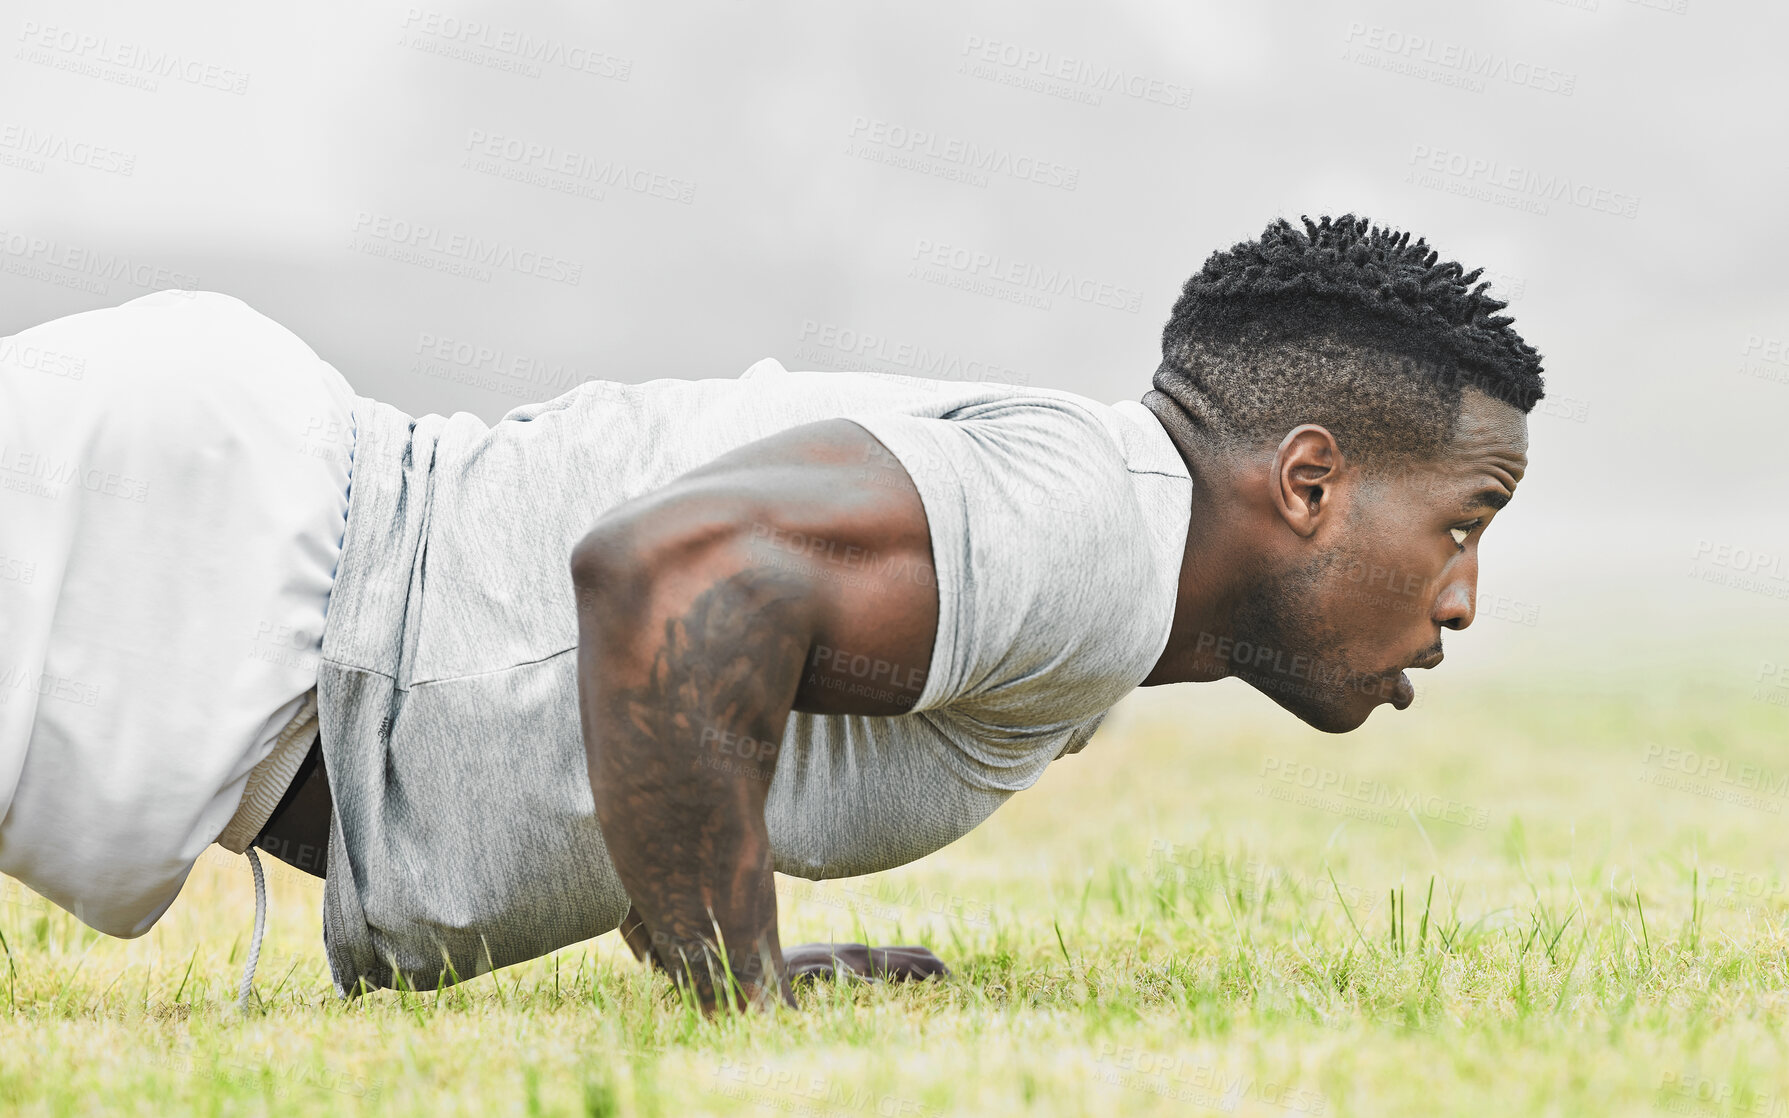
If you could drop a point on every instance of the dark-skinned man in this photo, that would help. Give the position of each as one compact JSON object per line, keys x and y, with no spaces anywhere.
{"x":618,"y":658}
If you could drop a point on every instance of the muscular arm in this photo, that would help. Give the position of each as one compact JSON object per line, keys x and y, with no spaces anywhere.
{"x":709,"y":610}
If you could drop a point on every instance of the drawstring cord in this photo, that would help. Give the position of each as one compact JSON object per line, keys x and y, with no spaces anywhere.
{"x":254,"y":947}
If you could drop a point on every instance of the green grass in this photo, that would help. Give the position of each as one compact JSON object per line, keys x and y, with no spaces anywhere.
{"x":1510,"y":900}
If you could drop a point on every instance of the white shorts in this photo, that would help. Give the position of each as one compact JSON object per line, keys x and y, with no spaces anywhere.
{"x":174,"y":477}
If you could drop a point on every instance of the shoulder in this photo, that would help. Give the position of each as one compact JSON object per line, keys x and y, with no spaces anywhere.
{"x":1057,"y":550}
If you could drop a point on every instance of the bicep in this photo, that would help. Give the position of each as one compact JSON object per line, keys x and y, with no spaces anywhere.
{"x":823,"y":507}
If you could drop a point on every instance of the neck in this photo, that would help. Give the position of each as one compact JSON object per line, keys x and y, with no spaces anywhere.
{"x":1215,"y":562}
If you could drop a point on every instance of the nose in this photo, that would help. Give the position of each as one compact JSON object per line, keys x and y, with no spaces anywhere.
{"x":1457,"y":604}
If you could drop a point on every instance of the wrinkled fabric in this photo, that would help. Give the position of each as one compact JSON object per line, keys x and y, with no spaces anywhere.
{"x":174,"y":477}
{"x":464,"y":835}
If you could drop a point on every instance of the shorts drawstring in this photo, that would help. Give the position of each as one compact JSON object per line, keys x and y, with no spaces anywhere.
{"x":254,"y":947}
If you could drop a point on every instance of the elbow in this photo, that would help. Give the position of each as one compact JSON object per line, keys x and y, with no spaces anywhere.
{"x":677,"y":530}
{"x":603,"y":553}
{"x":622,"y":565}
{"x":656,"y":558}
{"x":610,"y":571}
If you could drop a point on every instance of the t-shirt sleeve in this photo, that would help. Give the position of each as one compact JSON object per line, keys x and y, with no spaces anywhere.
{"x":1056,"y":591}
{"x":1052,"y":603}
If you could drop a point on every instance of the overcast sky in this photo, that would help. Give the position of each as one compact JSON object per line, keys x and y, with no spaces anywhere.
{"x":467,"y":206}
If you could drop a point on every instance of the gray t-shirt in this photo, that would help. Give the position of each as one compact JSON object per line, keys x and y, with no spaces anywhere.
{"x":448,"y":699}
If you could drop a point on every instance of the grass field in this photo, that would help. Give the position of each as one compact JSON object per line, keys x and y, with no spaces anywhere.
{"x":1532,"y":894}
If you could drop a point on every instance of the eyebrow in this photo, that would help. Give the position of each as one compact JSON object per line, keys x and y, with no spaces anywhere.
{"x":1492,"y":499}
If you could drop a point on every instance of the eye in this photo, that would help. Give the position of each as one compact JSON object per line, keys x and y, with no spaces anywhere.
{"x":1460,"y":534}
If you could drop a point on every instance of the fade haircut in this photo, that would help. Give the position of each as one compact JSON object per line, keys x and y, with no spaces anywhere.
{"x":1346,"y":325}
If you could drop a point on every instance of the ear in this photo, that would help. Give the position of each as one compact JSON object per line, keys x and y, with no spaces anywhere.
{"x":1306,"y":469}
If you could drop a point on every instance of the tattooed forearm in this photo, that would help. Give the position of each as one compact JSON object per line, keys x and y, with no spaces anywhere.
{"x":684,"y":700}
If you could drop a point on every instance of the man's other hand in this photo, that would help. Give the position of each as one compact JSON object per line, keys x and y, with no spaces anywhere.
{"x":893,"y":964}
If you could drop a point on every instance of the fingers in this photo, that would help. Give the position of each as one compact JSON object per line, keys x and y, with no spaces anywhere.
{"x":824,"y":960}
{"x":910,"y":963}
{"x":906,"y":964}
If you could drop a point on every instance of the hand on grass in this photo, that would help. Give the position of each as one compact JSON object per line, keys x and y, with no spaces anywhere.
{"x":810,"y":961}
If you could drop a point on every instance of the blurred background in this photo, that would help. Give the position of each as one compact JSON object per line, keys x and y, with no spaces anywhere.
{"x":468,"y":206}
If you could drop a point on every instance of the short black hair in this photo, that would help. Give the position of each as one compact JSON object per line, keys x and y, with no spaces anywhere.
{"x":1343,"y":324}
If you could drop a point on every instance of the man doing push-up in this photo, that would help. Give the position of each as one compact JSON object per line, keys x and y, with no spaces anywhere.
{"x":614,"y":659}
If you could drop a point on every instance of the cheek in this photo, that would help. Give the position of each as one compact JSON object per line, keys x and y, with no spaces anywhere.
{"x":1383,"y":589}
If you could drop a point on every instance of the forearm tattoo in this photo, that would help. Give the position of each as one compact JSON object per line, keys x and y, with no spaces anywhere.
{"x":680,"y":767}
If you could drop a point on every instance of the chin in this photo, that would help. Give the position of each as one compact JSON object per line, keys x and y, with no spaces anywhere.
{"x":1336,"y":718}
